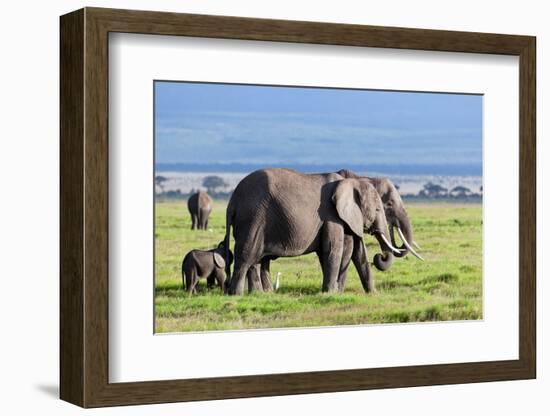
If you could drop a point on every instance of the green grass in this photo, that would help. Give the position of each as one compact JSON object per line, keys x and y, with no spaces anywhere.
{"x":447,"y":286}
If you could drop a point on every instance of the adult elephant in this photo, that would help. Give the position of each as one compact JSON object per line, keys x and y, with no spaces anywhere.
{"x":285,"y":213}
{"x":200,"y":206}
{"x":259,"y":277}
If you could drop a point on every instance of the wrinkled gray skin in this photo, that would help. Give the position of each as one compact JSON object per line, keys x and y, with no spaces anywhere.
{"x":205,"y":263}
{"x":200,"y":206}
{"x":396,"y":215}
{"x":284,"y":213}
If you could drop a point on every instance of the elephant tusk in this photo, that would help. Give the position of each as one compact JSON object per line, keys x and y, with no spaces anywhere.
{"x":416,"y":245}
{"x":407,"y":244}
{"x":392,"y":248}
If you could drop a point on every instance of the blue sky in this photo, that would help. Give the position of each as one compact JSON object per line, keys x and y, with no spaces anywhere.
{"x":199,"y":123}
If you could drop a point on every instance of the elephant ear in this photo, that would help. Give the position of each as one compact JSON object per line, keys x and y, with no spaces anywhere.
{"x":347,"y":207}
{"x":218,"y":259}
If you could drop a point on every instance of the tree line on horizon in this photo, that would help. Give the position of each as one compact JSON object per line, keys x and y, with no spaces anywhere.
{"x":432,"y":190}
{"x":216,"y":188}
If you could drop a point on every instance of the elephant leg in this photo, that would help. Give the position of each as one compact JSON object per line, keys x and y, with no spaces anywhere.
{"x":194,"y":221}
{"x":332,"y":249}
{"x":247,"y":255}
{"x":361,"y":261}
{"x":342,"y":279}
{"x":203,"y":219}
{"x":253,"y":278}
{"x":220,"y":278}
{"x":236,"y":286}
{"x":265,"y":275}
{"x":346,"y":259}
{"x":191,"y":280}
{"x":199,"y":220}
{"x":188,"y":276}
{"x":210,"y":281}
{"x":320,"y":257}
{"x":248,"y":252}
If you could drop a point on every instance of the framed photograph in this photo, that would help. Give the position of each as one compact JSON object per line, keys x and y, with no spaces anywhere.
{"x":254,"y":207}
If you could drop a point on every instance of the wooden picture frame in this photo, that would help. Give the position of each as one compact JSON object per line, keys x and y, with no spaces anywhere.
{"x":84,"y":207}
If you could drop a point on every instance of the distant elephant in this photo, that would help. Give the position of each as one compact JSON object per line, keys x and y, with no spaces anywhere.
{"x":205,"y":263}
{"x":200,"y":206}
{"x":259,"y":278}
{"x":284,"y":213}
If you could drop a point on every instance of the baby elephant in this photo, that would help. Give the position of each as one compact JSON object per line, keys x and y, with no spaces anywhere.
{"x":202,"y":263}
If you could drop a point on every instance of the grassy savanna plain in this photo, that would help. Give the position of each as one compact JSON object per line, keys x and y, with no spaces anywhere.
{"x":447,"y":286}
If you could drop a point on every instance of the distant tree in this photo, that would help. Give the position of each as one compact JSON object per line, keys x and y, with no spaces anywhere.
{"x":159,"y":181}
{"x":460,"y":192}
{"x":481,"y":189}
{"x":433,"y":190}
{"x":211,"y":183}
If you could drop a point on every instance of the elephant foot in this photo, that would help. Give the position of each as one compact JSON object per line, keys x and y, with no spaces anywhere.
{"x":332,"y":289}
{"x":235,"y":291}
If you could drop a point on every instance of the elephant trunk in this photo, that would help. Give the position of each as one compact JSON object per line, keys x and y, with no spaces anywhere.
{"x":382,"y":261}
